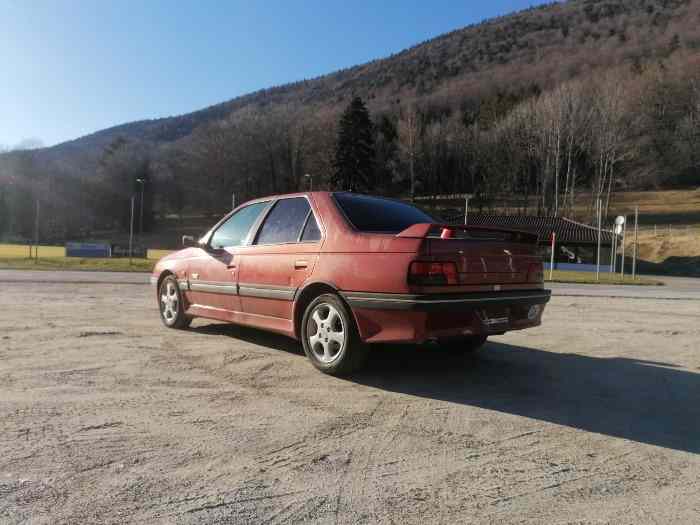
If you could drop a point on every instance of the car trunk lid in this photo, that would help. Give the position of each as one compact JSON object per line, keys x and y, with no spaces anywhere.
{"x":481,"y":255}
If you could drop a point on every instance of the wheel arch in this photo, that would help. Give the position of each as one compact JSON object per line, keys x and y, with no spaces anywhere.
{"x":162,"y":276}
{"x":307,"y":294}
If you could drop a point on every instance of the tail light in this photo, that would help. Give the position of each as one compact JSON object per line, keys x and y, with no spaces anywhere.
{"x":432,"y":273}
{"x":447,"y":233}
{"x":535,"y":273}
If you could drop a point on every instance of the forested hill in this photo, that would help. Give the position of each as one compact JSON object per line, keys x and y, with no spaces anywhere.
{"x":451,"y":109}
{"x":541,"y":46}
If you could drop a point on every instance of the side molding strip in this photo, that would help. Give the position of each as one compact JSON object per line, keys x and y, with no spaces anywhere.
{"x":213,"y":287}
{"x":267,"y":291}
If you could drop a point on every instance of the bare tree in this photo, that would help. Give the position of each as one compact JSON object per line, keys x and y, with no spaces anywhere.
{"x":610,"y":133}
{"x":410,"y":128}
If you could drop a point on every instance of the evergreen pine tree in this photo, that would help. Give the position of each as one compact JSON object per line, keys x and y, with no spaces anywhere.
{"x":354,"y":153}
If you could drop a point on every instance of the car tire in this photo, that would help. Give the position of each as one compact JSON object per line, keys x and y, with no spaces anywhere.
{"x":171,"y":304}
{"x":330,"y":338}
{"x":464,"y":345}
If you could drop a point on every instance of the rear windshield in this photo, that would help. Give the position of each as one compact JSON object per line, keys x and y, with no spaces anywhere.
{"x":375,"y":214}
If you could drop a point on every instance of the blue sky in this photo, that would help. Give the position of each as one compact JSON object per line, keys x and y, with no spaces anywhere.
{"x":74,"y":67}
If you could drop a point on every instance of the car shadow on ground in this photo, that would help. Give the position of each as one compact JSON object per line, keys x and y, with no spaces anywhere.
{"x":253,"y":336}
{"x":649,"y":402}
{"x":644,"y":401}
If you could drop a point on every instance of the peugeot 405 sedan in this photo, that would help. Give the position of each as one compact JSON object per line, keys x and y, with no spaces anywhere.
{"x":339,"y":271}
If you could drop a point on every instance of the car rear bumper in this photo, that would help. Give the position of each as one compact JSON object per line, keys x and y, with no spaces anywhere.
{"x":445,"y":302}
{"x":417,"y":318}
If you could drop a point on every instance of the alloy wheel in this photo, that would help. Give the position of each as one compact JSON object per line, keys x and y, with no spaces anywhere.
{"x":169,"y":302}
{"x":326,"y":333}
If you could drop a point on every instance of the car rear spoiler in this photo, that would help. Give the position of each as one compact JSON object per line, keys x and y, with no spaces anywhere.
{"x":477,"y":233}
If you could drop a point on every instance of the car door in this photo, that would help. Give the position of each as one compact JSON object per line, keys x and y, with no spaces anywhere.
{"x":277,"y":262}
{"x":212,"y":280}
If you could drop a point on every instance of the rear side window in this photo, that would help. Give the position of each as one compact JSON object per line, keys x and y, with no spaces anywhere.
{"x":375,"y":214}
{"x":311,"y":231}
{"x":284,"y":222}
{"x":235,"y":230}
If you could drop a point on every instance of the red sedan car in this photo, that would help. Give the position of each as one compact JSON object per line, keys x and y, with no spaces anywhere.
{"x":342,"y":270}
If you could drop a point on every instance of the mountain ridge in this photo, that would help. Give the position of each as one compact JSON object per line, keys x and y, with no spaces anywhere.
{"x":425,"y":69}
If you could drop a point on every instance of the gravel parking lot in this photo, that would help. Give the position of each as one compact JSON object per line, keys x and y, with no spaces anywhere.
{"x":107,"y":417}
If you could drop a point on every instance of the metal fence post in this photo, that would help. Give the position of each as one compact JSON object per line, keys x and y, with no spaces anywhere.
{"x":613,"y":252}
{"x":597,"y":268}
{"x":636,"y":241}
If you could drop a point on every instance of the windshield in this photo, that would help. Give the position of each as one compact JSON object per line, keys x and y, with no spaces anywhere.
{"x":377,"y":214}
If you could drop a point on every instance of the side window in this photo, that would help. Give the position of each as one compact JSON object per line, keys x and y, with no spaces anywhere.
{"x":311,"y":231}
{"x":235,"y":230}
{"x":284,"y":222}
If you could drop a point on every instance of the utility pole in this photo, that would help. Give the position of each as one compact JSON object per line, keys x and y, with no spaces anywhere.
{"x":233,"y":201}
{"x":131,"y":231}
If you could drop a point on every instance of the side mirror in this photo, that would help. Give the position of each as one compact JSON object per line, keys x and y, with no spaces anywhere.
{"x":188,"y":241}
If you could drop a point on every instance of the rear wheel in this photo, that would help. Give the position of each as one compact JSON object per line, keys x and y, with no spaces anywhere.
{"x":330,"y":337}
{"x":465,"y":344}
{"x":172,"y":308}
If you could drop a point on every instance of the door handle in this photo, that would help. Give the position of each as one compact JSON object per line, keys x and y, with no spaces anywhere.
{"x":231,"y":266}
{"x":300,"y":264}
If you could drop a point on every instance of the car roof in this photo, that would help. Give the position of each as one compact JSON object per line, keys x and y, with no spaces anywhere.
{"x":284,"y":196}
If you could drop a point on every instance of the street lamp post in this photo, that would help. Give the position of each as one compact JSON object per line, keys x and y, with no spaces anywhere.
{"x":131,"y":233}
{"x":143,"y":186}
{"x":466,"y":208}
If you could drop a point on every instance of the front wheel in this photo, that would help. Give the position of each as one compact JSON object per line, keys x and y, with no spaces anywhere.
{"x":330,"y":337}
{"x":172,"y":308}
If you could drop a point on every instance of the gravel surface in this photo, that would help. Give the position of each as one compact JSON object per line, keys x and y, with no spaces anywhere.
{"x":108,"y":417}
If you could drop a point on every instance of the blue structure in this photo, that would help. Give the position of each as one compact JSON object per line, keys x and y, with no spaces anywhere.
{"x":88,"y":249}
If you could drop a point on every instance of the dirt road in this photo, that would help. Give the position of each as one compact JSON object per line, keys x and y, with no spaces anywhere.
{"x":107,"y":417}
